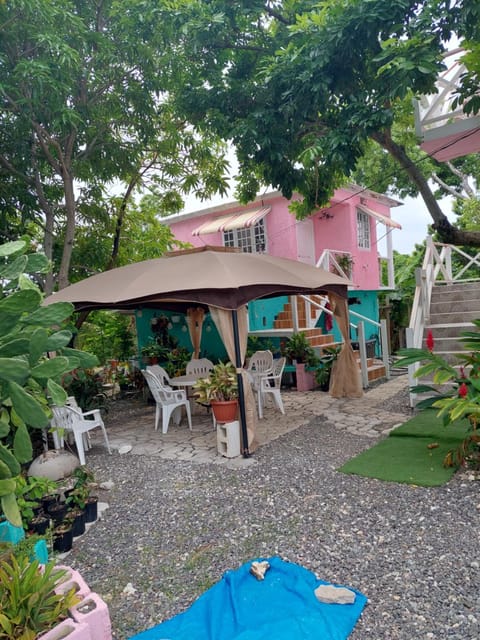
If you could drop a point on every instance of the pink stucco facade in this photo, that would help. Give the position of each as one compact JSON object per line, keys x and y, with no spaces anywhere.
{"x":333,"y":228}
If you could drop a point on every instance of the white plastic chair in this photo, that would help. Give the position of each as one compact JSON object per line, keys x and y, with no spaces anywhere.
{"x":260,"y":364}
{"x":271,"y":384}
{"x":72,"y":419}
{"x":200,"y":367}
{"x":160,"y":372}
{"x":167,"y":401}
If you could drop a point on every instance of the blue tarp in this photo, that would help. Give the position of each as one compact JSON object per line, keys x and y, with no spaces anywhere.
{"x":283,"y":606}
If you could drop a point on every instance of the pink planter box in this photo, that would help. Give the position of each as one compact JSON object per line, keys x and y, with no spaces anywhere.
{"x":68,"y":629}
{"x":305,"y":379}
{"x":94,"y":612}
{"x":76,"y":581}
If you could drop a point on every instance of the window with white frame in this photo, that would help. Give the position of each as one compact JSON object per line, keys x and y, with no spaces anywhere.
{"x":363,"y":230}
{"x":249,"y":239}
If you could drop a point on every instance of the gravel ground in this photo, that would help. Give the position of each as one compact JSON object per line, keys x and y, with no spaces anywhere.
{"x":173,"y":528}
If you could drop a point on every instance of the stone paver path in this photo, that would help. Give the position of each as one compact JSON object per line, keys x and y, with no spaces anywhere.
{"x":368,"y":416}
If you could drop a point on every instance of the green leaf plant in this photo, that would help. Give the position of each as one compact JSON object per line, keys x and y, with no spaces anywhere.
{"x":459,"y":394}
{"x":33,"y":358}
{"x":29,"y":605}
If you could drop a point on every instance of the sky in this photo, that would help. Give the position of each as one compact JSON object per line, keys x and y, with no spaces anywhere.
{"x":414,"y":218}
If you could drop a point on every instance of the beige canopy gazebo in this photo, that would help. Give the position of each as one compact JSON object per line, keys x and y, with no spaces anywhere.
{"x":223,"y":281}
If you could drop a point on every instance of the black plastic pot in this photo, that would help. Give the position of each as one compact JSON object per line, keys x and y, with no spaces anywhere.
{"x":62,"y":540}
{"x":91,"y":509}
{"x":49,"y":500}
{"x":37,"y":511}
{"x":57,"y":512}
{"x":39,"y":524}
{"x":78,"y":522}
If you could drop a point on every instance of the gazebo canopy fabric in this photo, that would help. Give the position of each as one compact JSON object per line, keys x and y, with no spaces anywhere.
{"x":213,"y":276}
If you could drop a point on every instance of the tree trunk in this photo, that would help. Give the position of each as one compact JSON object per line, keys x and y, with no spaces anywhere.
{"x":69,"y":230}
{"x":446,"y":231}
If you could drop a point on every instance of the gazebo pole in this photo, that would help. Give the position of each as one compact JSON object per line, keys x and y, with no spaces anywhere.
{"x":241,"y":392}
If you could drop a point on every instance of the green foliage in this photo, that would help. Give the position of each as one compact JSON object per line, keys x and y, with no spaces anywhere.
{"x":304,"y":93}
{"x":87,"y":388}
{"x":27,"y":375}
{"x":298,"y":348}
{"x":462,"y":400}
{"x":77,"y":113}
{"x":29,"y":490}
{"x":325,"y":364}
{"x":83,"y":480}
{"x":220,"y":385}
{"x":109,"y":335}
{"x":29,"y":605}
{"x":257,"y":343}
{"x":177,"y":360}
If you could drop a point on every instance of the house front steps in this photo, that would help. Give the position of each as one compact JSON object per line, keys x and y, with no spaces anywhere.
{"x":452,"y":310}
{"x":318,"y":339}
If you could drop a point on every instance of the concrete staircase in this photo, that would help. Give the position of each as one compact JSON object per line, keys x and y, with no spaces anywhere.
{"x":316,"y":337}
{"x":452,"y":309}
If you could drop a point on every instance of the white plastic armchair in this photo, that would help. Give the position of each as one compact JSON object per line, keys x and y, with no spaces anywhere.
{"x":271,"y":384}
{"x":260,"y":364}
{"x":200,"y":367}
{"x":160,"y":372}
{"x":168,"y":402}
{"x":72,"y":419}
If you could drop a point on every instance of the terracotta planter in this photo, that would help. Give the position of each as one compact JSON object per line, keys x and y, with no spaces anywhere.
{"x":225,"y":411}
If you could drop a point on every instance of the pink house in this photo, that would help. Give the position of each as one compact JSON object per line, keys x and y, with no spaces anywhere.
{"x":347,"y":236}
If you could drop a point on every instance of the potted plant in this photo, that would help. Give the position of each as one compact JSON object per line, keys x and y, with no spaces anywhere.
{"x":29,"y":602}
{"x":81,"y":494}
{"x":299,"y":351}
{"x":150,"y":351}
{"x":220,"y":391}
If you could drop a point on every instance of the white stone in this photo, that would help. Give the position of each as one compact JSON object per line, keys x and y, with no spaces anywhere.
{"x":126,"y":448}
{"x":330,"y":594}
{"x":54,"y":464}
{"x":129,"y":590}
{"x":107,"y":485}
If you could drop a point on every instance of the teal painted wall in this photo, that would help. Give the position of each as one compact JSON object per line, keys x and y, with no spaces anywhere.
{"x":368,"y":307}
{"x":261,"y":313}
{"x":211,"y":345}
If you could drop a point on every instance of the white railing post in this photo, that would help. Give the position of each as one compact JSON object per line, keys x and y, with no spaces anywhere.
{"x":363,"y":354}
{"x":448,"y":264}
{"x":412,"y":381}
{"x":293,"y":302}
{"x":384,"y":347}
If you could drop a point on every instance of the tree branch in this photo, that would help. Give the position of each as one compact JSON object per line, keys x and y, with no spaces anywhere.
{"x":446,"y":187}
{"x":446,"y":231}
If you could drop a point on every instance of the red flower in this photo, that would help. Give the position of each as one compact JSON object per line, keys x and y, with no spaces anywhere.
{"x":430,"y":341}
{"x":462,"y":390}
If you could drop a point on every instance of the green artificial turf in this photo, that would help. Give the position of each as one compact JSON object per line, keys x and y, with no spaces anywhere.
{"x":405,"y":456}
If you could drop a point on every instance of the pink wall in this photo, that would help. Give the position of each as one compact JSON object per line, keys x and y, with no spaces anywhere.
{"x":335,"y":228}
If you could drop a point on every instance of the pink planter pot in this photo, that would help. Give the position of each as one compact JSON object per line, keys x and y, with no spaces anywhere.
{"x":68,"y":629}
{"x":94,"y":612}
{"x":74,"y":580}
{"x":305,"y":379}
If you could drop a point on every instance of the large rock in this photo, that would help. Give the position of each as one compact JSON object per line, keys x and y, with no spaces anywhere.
{"x":334,"y":595}
{"x":54,"y":464}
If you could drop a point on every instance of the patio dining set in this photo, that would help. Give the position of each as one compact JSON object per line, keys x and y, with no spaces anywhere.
{"x":173,"y":393}
{"x":172,"y":396}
